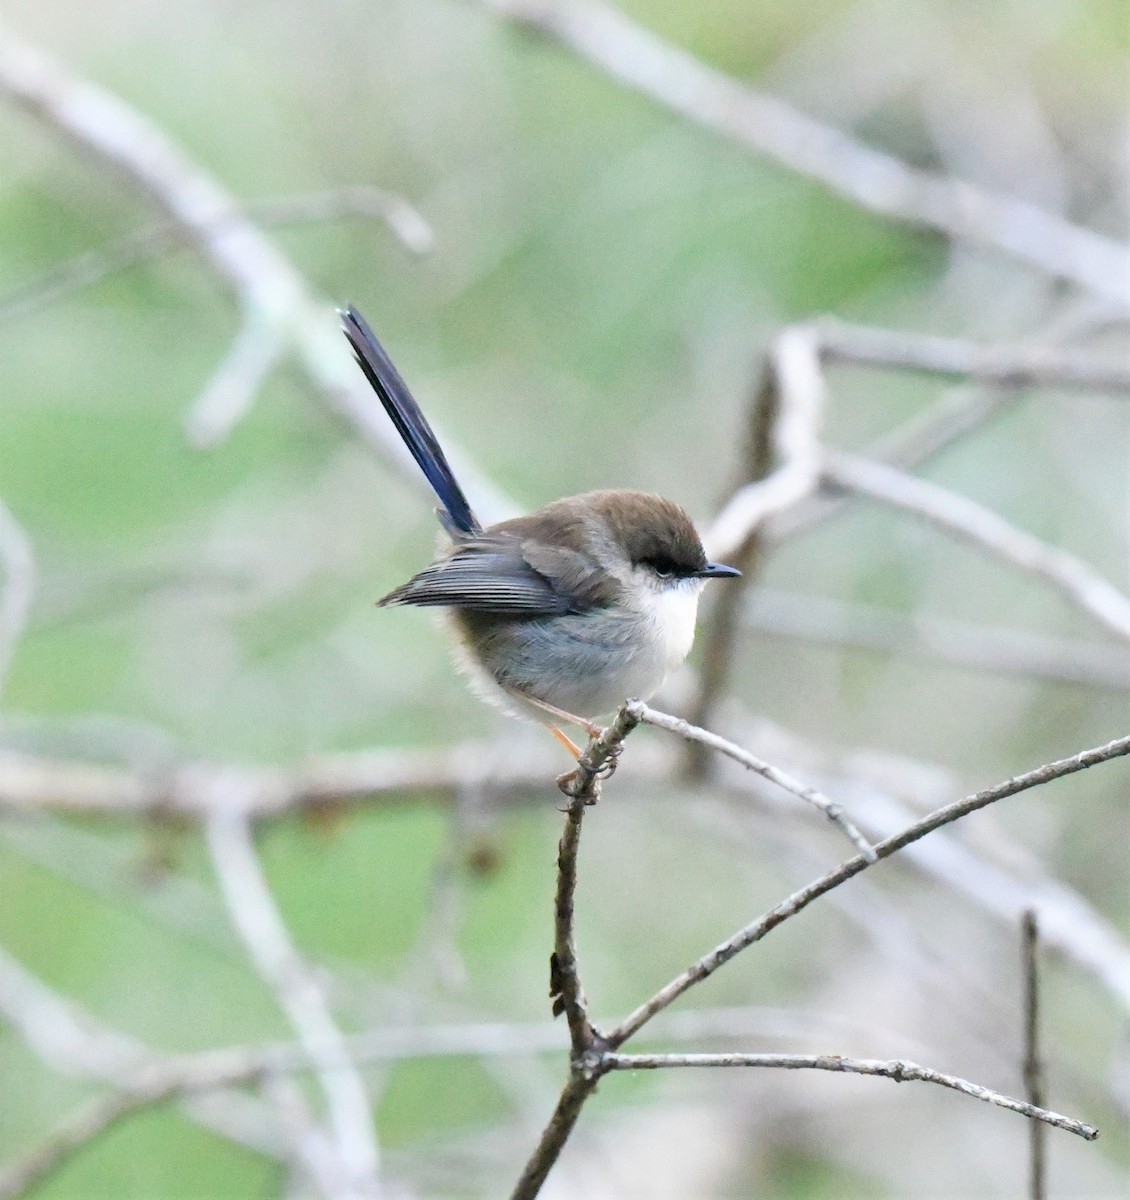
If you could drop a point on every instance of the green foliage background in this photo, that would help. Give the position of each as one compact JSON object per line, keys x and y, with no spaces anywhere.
{"x":603,"y":280}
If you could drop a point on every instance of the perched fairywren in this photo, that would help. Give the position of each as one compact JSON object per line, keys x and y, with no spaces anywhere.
{"x":563,"y":614}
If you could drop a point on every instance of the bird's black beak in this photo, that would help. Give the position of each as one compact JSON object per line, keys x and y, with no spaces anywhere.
{"x":717,"y":571}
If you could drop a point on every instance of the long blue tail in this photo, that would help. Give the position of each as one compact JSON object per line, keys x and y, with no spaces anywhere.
{"x":409,"y":420}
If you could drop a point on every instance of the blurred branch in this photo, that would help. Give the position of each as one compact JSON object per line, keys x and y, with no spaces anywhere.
{"x":272,"y":294}
{"x":780,"y":467}
{"x":960,"y":358}
{"x":756,"y":930}
{"x":799,"y":388}
{"x":76,"y":1044}
{"x":256,"y":917}
{"x":18,"y":564}
{"x":1033,"y":1067}
{"x":38,"y":783}
{"x":692,"y":733}
{"x":785,"y":420}
{"x":974,"y":523}
{"x":871,"y":179}
{"x":897,"y":1069}
{"x":997,"y":650}
{"x":216,"y":1070}
{"x":91,"y":266}
{"x":228,"y":396}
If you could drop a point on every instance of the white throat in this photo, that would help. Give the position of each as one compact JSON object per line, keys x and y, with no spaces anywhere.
{"x":671,"y":611}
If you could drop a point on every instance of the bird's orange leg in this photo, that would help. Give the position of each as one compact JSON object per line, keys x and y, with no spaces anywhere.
{"x":582,"y":722}
{"x":567,"y":742}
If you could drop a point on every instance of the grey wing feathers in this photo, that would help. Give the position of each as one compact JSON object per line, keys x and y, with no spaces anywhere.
{"x":484,"y":580}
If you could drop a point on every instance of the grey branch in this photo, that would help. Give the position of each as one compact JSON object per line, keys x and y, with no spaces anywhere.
{"x":256,"y":917}
{"x":582,"y":786}
{"x":161,"y":237}
{"x":798,"y":901}
{"x":692,"y":733}
{"x":869,"y":178}
{"x":958,"y":358}
{"x":794,"y":359}
{"x":974,"y":523}
{"x":272,"y":294}
{"x":897,"y":1069}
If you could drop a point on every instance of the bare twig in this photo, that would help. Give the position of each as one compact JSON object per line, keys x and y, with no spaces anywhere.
{"x":18,"y":565}
{"x":958,"y":358}
{"x":873,"y":180}
{"x":256,"y":917}
{"x":565,"y":988}
{"x":271,"y":293}
{"x":35,"y":783}
{"x":91,"y":266}
{"x":833,"y":811}
{"x":974,"y":523}
{"x":75,"y":1043}
{"x":1033,"y":1067}
{"x":756,"y":930}
{"x":897,"y":1069}
{"x":582,"y":786}
{"x":215,"y":1070}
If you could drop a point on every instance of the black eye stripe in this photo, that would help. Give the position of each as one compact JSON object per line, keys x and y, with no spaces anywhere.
{"x":665,"y":567}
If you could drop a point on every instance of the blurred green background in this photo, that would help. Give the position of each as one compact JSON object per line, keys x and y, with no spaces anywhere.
{"x":603,"y":281}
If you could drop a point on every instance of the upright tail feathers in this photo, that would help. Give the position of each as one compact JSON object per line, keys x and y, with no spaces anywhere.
{"x":409,"y":420}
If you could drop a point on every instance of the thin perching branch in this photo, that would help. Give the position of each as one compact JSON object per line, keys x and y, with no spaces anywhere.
{"x":692,"y":733}
{"x":800,"y":900}
{"x":897,"y":1069}
{"x":258,"y":921}
{"x":587,"y":1044}
{"x":869,"y":178}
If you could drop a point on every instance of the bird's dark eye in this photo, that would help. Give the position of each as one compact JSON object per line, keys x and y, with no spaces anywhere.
{"x":664,"y":567}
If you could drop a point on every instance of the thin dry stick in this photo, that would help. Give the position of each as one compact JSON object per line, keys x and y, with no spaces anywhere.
{"x":91,"y":266}
{"x":756,"y":930}
{"x":1070,"y":576}
{"x":582,"y":786}
{"x":258,"y":921}
{"x":1033,"y":1067}
{"x":214,"y":1070}
{"x":897,"y":1069}
{"x":830,"y":808}
{"x":873,"y":180}
{"x":958,"y":358}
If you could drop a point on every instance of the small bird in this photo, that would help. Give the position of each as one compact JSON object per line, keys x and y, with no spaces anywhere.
{"x":563,"y":614}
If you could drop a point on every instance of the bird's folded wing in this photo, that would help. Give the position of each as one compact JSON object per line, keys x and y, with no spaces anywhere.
{"x":501,"y":578}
